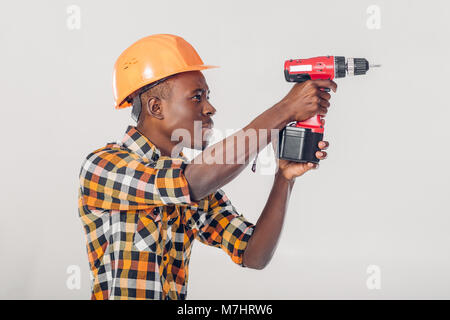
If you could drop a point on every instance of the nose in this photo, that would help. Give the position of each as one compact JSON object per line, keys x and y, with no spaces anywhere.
{"x":208,"y":109}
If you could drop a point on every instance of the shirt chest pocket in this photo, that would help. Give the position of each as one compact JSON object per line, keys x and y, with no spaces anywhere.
{"x":148,"y":236}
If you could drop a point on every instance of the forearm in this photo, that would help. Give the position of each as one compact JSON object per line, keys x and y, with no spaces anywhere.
{"x":263,"y":242}
{"x":222,"y":162}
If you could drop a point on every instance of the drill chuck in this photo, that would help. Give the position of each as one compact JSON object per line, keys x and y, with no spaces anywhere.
{"x":351,"y":66}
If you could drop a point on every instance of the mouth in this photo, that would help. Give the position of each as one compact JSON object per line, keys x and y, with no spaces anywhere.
{"x":208,"y":125}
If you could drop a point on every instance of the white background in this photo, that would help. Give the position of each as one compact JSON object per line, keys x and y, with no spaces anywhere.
{"x":381,"y":197}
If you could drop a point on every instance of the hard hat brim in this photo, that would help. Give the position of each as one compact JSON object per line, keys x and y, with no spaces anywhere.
{"x":125,"y":103}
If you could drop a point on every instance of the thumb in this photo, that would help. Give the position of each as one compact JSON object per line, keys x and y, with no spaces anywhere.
{"x":305,"y":167}
{"x":312,"y":165}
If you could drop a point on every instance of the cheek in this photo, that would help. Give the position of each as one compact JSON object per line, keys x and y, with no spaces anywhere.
{"x":181,"y":115}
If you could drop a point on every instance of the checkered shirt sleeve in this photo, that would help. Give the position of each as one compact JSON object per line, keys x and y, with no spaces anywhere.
{"x":221,"y":226}
{"x":120,"y":180}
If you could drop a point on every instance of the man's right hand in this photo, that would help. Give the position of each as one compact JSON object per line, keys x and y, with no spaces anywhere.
{"x":306,"y":100}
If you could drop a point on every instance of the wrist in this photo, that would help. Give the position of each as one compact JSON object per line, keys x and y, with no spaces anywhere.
{"x":279,"y":176}
{"x":285,"y":110}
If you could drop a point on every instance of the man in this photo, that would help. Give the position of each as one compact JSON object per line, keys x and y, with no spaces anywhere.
{"x":142,"y":203}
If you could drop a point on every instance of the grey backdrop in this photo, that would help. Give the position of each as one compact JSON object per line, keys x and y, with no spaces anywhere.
{"x":379,"y":199}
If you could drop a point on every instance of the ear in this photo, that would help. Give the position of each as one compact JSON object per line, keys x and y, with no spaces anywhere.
{"x":154,"y":107}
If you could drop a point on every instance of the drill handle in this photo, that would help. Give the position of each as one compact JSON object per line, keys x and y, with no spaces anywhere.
{"x":314,"y":123}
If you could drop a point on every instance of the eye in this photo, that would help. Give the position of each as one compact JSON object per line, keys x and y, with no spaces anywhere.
{"x":198,"y":97}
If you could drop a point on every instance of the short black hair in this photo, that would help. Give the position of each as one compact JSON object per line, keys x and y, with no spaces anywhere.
{"x":161,"y":89}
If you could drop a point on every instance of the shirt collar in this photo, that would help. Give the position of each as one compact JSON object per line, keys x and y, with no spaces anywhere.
{"x":138,"y":143}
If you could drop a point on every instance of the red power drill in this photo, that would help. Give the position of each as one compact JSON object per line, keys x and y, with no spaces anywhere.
{"x":299,"y":141}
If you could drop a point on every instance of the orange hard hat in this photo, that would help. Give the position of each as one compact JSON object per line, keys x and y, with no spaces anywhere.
{"x":151,"y":59}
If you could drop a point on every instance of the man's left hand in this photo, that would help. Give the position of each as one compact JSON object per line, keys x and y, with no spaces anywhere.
{"x":291,"y":170}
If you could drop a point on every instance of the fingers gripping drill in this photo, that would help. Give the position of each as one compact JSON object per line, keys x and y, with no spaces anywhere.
{"x":298,"y":141}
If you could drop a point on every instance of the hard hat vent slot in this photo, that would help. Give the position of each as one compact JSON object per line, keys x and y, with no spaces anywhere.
{"x":130,"y":62}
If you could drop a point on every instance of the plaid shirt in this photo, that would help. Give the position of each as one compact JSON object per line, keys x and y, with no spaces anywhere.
{"x":140,"y":223}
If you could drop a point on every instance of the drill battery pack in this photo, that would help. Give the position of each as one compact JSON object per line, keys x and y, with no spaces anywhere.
{"x":299,"y":144}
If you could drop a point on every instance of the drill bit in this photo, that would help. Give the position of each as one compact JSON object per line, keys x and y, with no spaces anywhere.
{"x":374,"y":65}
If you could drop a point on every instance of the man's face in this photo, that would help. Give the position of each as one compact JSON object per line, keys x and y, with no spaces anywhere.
{"x":189,"y":105}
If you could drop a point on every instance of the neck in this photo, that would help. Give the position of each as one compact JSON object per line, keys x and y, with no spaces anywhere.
{"x":161,"y":141}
